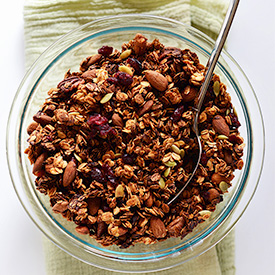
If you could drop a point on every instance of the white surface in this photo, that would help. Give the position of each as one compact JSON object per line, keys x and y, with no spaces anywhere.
{"x":252,"y":44}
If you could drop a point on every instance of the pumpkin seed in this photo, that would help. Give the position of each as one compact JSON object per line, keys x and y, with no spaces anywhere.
{"x":205,"y":214}
{"x":125,"y":69}
{"x":170,"y":163}
{"x":216,"y":88}
{"x":119,"y":191}
{"x":125,"y":54}
{"x":167,"y":172}
{"x":222,"y":137}
{"x":182,"y":153}
{"x":175,"y":149}
{"x":106,"y":98}
{"x":79,"y":159}
{"x":223,"y":186}
{"x":161,"y":183}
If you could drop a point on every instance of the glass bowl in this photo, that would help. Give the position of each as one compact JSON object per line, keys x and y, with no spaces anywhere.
{"x":49,"y":70}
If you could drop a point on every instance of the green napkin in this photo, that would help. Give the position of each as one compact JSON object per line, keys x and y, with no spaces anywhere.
{"x":46,"y":20}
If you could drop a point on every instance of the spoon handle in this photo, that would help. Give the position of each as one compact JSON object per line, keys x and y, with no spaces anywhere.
{"x":217,"y":50}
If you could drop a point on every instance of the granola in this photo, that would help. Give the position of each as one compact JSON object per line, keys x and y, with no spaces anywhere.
{"x":113,"y":143}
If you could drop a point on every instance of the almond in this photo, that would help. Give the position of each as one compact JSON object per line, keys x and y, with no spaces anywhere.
{"x":81,"y":229}
{"x":175,"y":226}
{"x":117,"y":120}
{"x":149,"y":202}
{"x":90,"y":74}
{"x":145,"y":108}
{"x":158,"y":228}
{"x":157,"y":80}
{"x":32,"y":127}
{"x":93,"y":205}
{"x":213,"y":195}
{"x":189,"y":93}
{"x":94,"y":59}
{"x":217,"y":178}
{"x":38,"y":165}
{"x":220,"y":125}
{"x":60,"y":206}
{"x":69,"y":173}
{"x":42,"y":118}
{"x":101,"y":229}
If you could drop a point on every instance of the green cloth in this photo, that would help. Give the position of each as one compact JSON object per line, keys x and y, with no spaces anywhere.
{"x":46,"y":20}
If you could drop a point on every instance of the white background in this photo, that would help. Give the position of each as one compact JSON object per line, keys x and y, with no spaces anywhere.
{"x":251,"y":43}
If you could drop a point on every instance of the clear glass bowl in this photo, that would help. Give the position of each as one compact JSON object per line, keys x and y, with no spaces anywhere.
{"x":49,"y":70}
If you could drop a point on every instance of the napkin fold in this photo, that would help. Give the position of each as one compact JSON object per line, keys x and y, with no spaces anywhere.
{"x":46,"y":20}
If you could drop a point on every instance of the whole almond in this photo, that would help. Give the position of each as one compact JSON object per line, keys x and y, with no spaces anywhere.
{"x":60,"y":206}
{"x":117,"y":120}
{"x":157,"y":80}
{"x":38,"y":164}
{"x":189,"y":93}
{"x":213,"y":195}
{"x":158,"y":228}
{"x":149,"y":202}
{"x":175,"y":226}
{"x":69,"y":173}
{"x":32,"y":127}
{"x":93,"y":205}
{"x":81,"y":229}
{"x":94,"y":59}
{"x":145,"y":108}
{"x":42,"y":118}
{"x":101,"y":229}
{"x":220,"y":125}
{"x":90,"y":74}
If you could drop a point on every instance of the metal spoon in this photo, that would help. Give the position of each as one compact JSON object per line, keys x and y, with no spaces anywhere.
{"x":212,"y":61}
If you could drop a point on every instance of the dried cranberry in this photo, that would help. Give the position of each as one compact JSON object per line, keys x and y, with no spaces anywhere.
{"x":128,"y":159}
{"x":203,"y":158}
{"x":97,"y":175}
{"x":234,"y":120}
{"x":112,"y":80}
{"x":99,"y":125}
{"x":108,"y":173}
{"x":176,"y":116}
{"x":135,"y":64}
{"x":97,"y":119}
{"x":124,"y":79}
{"x":105,"y":50}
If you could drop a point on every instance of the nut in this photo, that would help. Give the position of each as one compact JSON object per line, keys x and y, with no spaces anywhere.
{"x":84,"y":230}
{"x":220,"y":125}
{"x":69,"y":173}
{"x":157,"y":80}
{"x":139,"y":44}
{"x":93,"y":205}
{"x":94,"y":59}
{"x":158,"y":228}
{"x":32,"y":127}
{"x":145,"y":108}
{"x":217,"y":178}
{"x":117,"y":120}
{"x":42,"y":118}
{"x":60,"y":206}
{"x":189,"y":93}
{"x":175,"y":226}
{"x":213,"y":195}
{"x":149,"y":202}
{"x":38,"y":165}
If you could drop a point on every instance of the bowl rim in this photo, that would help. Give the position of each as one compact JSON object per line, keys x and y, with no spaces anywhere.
{"x":64,"y":37}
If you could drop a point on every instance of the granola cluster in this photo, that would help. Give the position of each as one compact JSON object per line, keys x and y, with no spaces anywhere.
{"x":113,"y":143}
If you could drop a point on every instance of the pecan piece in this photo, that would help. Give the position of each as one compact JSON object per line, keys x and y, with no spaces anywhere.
{"x":139,"y":44}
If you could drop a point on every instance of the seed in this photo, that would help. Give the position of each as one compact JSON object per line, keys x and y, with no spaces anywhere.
{"x":175,"y":149}
{"x":106,"y":98}
{"x":227,"y":112}
{"x":79,"y":159}
{"x":170,"y":163}
{"x":125,"y":69}
{"x":119,"y":191}
{"x":125,"y":54}
{"x":176,"y":157}
{"x":216,"y":88}
{"x":182,"y":153}
{"x":223,"y":186}
{"x":205,"y":214}
{"x":222,"y":137}
{"x":167,"y":172}
{"x":161,"y":183}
